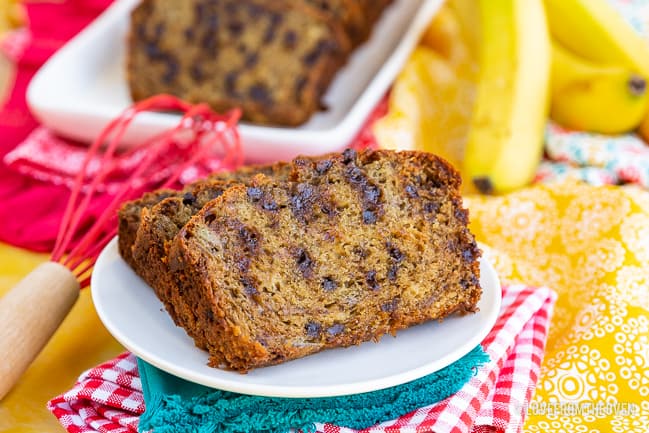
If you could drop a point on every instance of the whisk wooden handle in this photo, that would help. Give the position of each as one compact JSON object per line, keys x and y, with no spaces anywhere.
{"x":29,"y":314}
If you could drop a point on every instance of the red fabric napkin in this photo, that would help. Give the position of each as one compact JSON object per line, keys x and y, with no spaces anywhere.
{"x":108,"y":398}
{"x":31,"y":209}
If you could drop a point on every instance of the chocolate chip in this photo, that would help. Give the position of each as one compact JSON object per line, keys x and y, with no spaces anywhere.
{"x":304,"y":263}
{"x":372,"y":193}
{"x":159,"y":30}
{"x":235,"y":28}
{"x":361,"y":252}
{"x":189,"y":34}
{"x":259,"y":93}
{"x":197,"y":72}
{"x":461,"y":215}
{"x":171,"y":72}
{"x":355,"y":174}
{"x":269,"y":204}
{"x":468,"y":254}
{"x":290,"y":39}
{"x":243,"y":264}
{"x":213,"y":22}
{"x":153,"y":51}
{"x":210,"y":315}
{"x":254,"y":193}
{"x":251,"y":60}
{"x":275,"y":21}
{"x":411,"y":190}
{"x":370,"y":279}
{"x":231,"y":82}
{"x":302,"y":200}
{"x":394,"y":252}
{"x":323,"y":166}
{"x":208,"y":42}
{"x":431,"y":207}
{"x":349,"y":155}
{"x":250,"y":237}
{"x":199,"y":12}
{"x":335,"y":329}
{"x":329,"y":284}
{"x":321,"y":48}
{"x":189,"y":199}
{"x":140,"y":30}
{"x":369,"y":217}
{"x":392,"y":272}
{"x":390,"y":306}
{"x":249,"y":287}
{"x":313,"y":329}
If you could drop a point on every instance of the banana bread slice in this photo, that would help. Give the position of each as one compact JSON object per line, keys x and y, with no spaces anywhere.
{"x":160,"y":223}
{"x":351,"y":247}
{"x":273,"y":59}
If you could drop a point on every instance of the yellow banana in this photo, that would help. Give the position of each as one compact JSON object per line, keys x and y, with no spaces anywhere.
{"x":505,"y":141}
{"x":596,"y":98}
{"x":594,"y":30}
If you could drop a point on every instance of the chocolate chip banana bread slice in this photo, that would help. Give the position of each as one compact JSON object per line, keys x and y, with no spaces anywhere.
{"x":273,"y":59}
{"x":351,"y":247}
{"x":160,"y":223}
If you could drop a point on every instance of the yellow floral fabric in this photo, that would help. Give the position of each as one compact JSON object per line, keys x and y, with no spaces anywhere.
{"x":591,"y":245}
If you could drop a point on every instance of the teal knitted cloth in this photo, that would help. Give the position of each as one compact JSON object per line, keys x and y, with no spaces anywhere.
{"x":175,"y":405}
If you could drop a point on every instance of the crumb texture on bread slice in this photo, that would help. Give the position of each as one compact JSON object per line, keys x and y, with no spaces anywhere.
{"x":351,"y":247}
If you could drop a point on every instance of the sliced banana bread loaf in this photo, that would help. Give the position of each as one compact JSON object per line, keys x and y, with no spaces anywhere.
{"x":351,"y":247}
{"x":273,"y":59}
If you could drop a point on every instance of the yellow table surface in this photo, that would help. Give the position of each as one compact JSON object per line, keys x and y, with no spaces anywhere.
{"x":80,"y":343}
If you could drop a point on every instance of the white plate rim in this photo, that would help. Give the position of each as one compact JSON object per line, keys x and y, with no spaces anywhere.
{"x":489,"y":305}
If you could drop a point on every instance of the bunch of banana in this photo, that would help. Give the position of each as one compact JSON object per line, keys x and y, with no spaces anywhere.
{"x":600,"y":67}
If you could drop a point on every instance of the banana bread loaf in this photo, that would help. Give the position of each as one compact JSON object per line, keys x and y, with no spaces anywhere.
{"x":273,"y":59}
{"x":349,"y":248}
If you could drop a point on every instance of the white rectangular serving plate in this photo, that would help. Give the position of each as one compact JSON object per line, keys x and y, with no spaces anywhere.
{"x":83,"y":86}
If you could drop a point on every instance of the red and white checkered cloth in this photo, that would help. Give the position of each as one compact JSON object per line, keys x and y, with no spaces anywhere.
{"x":108,"y":398}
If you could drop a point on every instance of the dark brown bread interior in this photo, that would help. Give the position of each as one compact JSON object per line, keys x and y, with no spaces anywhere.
{"x":351,"y":247}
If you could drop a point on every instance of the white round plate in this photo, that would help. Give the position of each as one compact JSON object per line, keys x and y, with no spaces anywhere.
{"x":137,"y":319}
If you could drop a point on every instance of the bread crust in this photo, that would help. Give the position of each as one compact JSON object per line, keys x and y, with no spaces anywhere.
{"x":351,"y":247}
